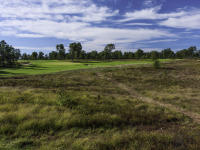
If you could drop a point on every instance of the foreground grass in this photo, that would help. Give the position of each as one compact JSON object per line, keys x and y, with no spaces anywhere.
{"x":88,"y":110}
{"x":33,"y":67}
{"x":80,"y":120}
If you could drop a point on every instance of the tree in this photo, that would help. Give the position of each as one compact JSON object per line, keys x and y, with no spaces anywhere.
{"x":46,"y":57}
{"x":25,"y":56}
{"x":61,"y":51}
{"x":8,"y":54}
{"x":167,"y":53}
{"x":83,"y":54}
{"x":139,"y":54}
{"x":41,"y":55}
{"x":75,"y":50}
{"x":154,"y":55}
{"x":191,"y":51}
{"x":187,"y":53}
{"x":128,"y":55}
{"x":108,"y":51}
{"x":93,"y":55}
{"x":34,"y":55}
{"x":117,"y":55}
{"x":53,"y":55}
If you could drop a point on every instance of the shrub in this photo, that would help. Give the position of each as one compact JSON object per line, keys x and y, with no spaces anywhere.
{"x":64,"y":99}
{"x":156,"y":64}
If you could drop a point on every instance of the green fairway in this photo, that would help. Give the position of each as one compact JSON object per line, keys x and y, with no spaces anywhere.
{"x":50,"y":66}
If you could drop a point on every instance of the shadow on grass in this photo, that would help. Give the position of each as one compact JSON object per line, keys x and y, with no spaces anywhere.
{"x":27,"y":68}
{"x":4,"y":74}
{"x":86,"y":61}
{"x":33,"y":67}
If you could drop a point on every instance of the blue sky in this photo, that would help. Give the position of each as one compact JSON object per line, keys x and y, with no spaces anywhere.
{"x":33,"y":25}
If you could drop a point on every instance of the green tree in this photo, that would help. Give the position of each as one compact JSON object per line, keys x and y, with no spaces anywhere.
{"x":8,"y":54}
{"x":117,"y":55}
{"x":61,"y":51}
{"x":154,"y":55}
{"x":139,"y":54}
{"x":24,"y":56}
{"x":83,"y":54}
{"x":53,"y":55}
{"x":75,"y":50}
{"x":34,"y":55}
{"x":167,"y":53}
{"x":93,"y":55}
{"x":41,"y":55}
{"x":108,"y":51}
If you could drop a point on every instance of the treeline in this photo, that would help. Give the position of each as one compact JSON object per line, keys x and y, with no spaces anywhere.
{"x":8,"y":55}
{"x":109,"y":52}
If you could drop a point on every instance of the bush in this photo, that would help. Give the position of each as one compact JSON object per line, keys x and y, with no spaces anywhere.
{"x":156,"y":64}
{"x":64,"y":99}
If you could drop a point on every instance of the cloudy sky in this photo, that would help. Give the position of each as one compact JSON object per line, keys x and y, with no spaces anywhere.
{"x":130,"y":24}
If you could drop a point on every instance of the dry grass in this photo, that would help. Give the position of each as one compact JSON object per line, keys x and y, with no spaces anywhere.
{"x":88,"y":110}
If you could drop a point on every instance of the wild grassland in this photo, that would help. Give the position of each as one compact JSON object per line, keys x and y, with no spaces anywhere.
{"x":88,"y":110}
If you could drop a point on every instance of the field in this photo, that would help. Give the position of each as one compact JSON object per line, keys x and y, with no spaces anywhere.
{"x":51,"y":66}
{"x":95,"y":107}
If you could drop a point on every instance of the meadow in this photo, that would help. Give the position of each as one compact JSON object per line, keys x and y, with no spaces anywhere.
{"x":106,"y":106}
{"x":32,"y":67}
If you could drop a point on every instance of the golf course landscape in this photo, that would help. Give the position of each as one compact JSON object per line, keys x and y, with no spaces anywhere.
{"x":99,"y":74}
{"x":94,"y":105}
{"x":32,"y":67}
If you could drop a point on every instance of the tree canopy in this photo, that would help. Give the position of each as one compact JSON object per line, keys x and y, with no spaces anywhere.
{"x":8,"y":54}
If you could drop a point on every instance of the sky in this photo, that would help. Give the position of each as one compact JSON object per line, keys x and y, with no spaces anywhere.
{"x":38,"y":25}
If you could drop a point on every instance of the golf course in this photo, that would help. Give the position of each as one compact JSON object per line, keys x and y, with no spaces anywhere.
{"x":98,"y":105}
{"x":33,"y":67}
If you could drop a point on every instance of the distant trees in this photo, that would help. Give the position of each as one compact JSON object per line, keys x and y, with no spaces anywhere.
{"x":75,"y":50}
{"x":41,"y":55}
{"x":154,"y":55}
{"x":53,"y":55}
{"x":139,"y":54}
{"x":61,"y":51}
{"x":107,"y":53}
{"x":187,"y":53}
{"x":8,"y":54}
{"x":34,"y":55}
{"x":167,"y":53}
{"x":92,"y":55}
{"x":117,"y":55}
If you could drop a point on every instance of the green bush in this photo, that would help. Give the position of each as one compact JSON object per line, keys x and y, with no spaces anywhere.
{"x":64,"y":99}
{"x":156,"y":64}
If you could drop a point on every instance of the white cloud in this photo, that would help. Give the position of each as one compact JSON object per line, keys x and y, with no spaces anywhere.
{"x":138,"y":24}
{"x":182,"y":18}
{"x":148,"y":3}
{"x":74,"y":20}
{"x":68,"y":19}
{"x":159,"y":41}
{"x":54,"y":9}
{"x":150,"y":14}
{"x":189,"y":21}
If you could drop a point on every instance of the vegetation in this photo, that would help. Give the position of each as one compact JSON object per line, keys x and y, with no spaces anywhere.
{"x":108,"y":105}
{"x":8,"y":55}
{"x":31,"y":67}
{"x":102,"y":108}
{"x":156,"y":64}
{"x":76,"y":52}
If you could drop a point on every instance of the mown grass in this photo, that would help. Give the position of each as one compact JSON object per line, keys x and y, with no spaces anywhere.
{"x":88,"y":110}
{"x":33,"y":67}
